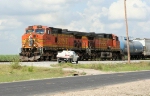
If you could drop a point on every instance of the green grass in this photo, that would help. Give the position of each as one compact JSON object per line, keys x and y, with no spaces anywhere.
{"x":9,"y":73}
{"x":127,"y":67}
{"x":16,"y":72}
{"x":9,"y":57}
{"x":109,"y":67}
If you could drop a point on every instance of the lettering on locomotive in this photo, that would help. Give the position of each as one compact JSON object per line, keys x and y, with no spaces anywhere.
{"x":62,"y":41}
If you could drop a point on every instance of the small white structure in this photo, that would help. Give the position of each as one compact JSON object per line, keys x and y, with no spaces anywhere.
{"x":67,"y":56}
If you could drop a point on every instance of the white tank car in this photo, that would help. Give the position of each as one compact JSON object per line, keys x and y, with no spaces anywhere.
{"x":146,"y":45}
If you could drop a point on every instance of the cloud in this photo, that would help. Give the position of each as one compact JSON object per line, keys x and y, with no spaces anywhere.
{"x":100,"y":16}
{"x":9,"y":37}
{"x":115,"y":25}
{"x":136,"y":9}
{"x":32,"y":7}
{"x":94,"y":2}
{"x":9,"y":24}
{"x":145,"y":26}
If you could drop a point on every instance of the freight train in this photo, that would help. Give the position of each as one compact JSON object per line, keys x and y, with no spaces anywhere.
{"x":42,"y":43}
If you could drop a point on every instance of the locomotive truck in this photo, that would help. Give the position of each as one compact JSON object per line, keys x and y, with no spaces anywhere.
{"x":42,"y":43}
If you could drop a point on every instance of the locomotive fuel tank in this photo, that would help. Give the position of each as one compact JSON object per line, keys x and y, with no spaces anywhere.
{"x":135,"y":46}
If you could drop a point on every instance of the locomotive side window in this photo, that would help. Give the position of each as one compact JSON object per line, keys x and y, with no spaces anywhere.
{"x":117,"y":38}
{"x":109,"y":36}
{"x":39,"y":31}
{"x":48,"y":31}
{"x":29,"y":30}
{"x":54,"y":31}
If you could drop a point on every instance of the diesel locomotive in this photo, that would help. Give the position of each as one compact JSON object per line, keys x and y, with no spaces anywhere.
{"x":43,"y":42}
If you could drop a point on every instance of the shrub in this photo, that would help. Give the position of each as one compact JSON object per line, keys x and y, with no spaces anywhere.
{"x":30,"y":69}
{"x":96,"y":66}
{"x":83,"y":73}
{"x":93,"y":66}
{"x":149,"y":64}
{"x":15,"y":65}
{"x":99,"y":67}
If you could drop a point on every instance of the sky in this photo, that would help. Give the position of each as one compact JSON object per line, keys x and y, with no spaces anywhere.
{"x":99,"y":16}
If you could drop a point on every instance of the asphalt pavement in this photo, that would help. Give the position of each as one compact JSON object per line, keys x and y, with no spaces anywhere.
{"x":51,"y":86}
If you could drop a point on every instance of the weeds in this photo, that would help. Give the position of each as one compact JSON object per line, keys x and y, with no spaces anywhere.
{"x":30,"y":69}
{"x":83,"y":73}
{"x":15,"y":65}
{"x":99,"y":67}
{"x":9,"y":57}
{"x":96,"y":66}
{"x":17,"y":73}
{"x":110,"y":67}
{"x":149,"y":64}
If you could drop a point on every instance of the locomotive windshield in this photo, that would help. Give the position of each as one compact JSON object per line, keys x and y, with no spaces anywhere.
{"x":29,"y":30}
{"x":39,"y":31}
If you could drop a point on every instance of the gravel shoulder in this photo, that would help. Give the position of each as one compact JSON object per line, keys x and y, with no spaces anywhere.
{"x":138,"y":88}
{"x":86,"y":71}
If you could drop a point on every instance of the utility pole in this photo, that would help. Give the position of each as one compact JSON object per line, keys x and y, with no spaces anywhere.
{"x":128,"y":49}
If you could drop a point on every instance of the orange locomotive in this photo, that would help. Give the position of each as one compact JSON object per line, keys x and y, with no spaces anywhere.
{"x":43,"y":43}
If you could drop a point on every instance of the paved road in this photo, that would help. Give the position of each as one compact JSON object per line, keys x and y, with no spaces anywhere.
{"x":38,"y":87}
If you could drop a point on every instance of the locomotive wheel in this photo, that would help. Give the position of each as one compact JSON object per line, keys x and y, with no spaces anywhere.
{"x":50,"y":58}
{"x":70,"y":60}
{"x":77,"y":62}
{"x":42,"y":58}
{"x":100,"y":59}
{"x":65,"y":61}
{"x":58,"y":60}
{"x":122,"y":58}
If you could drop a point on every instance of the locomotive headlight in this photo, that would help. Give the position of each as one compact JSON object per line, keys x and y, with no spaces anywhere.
{"x":34,"y":45}
{"x":23,"y":45}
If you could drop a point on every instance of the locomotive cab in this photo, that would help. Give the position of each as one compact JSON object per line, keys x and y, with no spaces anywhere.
{"x":33,"y":36}
{"x":33,"y":41}
{"x":41,"y":42}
